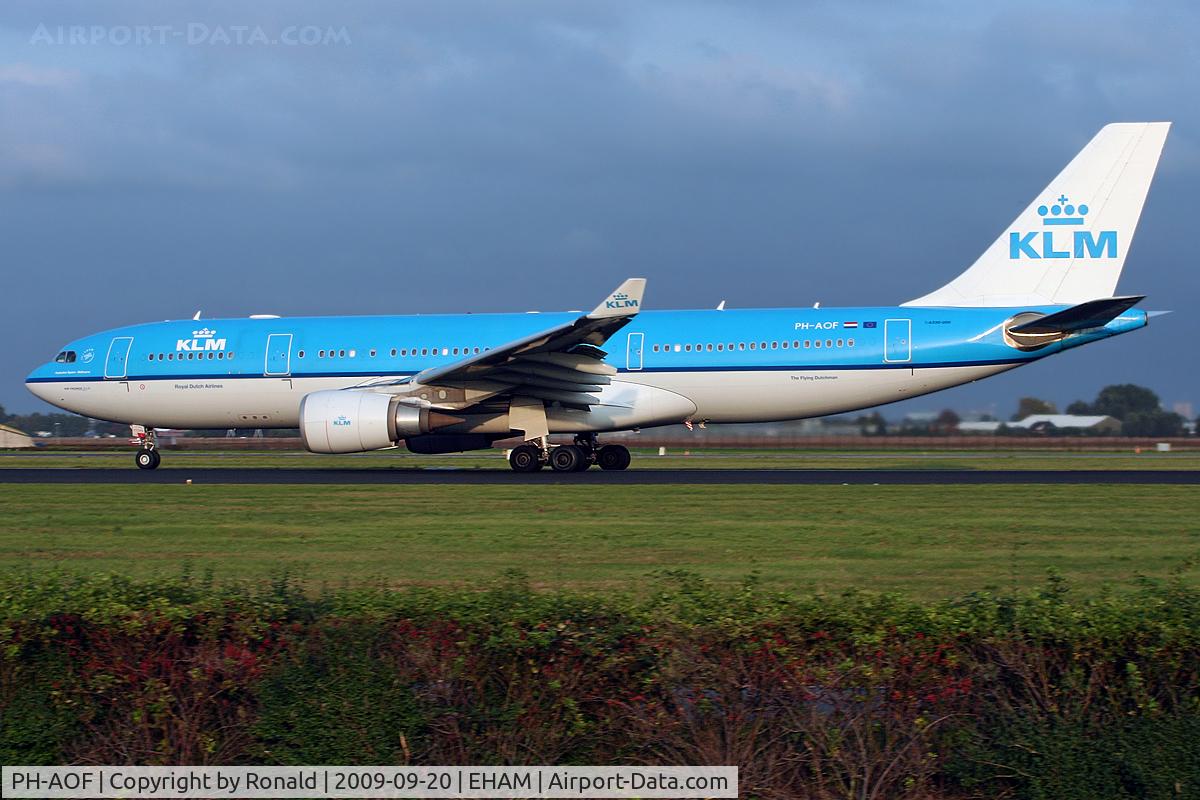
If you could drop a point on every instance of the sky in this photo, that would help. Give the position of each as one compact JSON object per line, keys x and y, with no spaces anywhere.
{"x":305,"y":158}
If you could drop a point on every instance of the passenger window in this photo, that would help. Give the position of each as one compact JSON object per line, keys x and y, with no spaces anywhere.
{"x":720,"y":346}
{"x":687,"y":347}
{"x":840,"y":342}
{"x":300,"y":354}
{"x":708,"y":347}
{"x":170,"y":356}
{"x":850,"y":343}
{"x":151,"y":356}
{"x":785,"y":345}
{"x":774,"y":345}
{"x":320,"y":354}
{"x":807,"y":344}
{"x":372,"y":352}
{"x":752,"y":345}
{"x":818,"y":343}
{"x":741,"y":345}
{"x":829,"y":342}
{"x":341,"y":353}
{"x":354,"y":354}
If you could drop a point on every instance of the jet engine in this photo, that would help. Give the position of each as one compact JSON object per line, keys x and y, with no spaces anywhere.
{"x":354,"y":421}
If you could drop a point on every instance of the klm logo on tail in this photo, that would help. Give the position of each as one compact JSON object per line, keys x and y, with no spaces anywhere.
{"x":1051,"y":242}
{"x":621,"y":300}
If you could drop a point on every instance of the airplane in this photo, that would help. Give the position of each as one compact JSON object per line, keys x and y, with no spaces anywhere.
{"x":453,"y":383}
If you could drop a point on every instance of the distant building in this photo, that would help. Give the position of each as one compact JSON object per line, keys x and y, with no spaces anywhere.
{"x":989,"y":426}
{"x":1076,"y":422}
{"x":1185,"y":410}
{"x":1047,"y":423}
{"x":13,"y":438}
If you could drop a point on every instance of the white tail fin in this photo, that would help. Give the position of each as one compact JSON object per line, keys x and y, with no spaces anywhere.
{"x":1069,"y":245}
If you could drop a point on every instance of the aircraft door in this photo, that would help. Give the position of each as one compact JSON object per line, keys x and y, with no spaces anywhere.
{"x":117,"y":363}
{"x":279,"y":354}
{"x":633,"y":351}
{"x":897,"y":337}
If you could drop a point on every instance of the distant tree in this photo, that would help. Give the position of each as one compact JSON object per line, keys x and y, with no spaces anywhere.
{"x":1080,"y":407}
{"x":947,"y":421}
{"x":1028,"y":406}
{"x":872,"y":424}
{"x":110,"y":428}
{"x":54,"y":424}
{"x":1123,"y":400}
{"x":1153,"y":423}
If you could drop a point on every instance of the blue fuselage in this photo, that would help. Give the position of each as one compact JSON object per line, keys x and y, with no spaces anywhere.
{"x":706,"y":353}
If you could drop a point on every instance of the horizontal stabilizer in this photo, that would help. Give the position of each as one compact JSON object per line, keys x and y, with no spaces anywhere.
{"x":1092,"y":314}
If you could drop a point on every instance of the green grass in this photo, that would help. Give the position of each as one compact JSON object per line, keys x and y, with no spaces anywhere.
{"x":925,"y":541}
{"x":677,"y":458}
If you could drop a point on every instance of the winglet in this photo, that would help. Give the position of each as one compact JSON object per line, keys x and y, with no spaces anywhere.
{"x":624,"y":302}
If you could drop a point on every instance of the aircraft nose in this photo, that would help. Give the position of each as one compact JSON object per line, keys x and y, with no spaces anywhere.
{"x":39,"y":390}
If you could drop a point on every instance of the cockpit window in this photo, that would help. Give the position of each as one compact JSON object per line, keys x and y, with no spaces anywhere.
{"x":65,"y":357}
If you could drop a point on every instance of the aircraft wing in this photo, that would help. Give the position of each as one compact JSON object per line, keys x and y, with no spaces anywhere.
{"x":563,"y":364}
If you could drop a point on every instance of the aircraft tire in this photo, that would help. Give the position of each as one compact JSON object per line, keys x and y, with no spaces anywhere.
{"x":613,"y":457}
{"x":525,"y":458}
{"x":567,"y":458}
{"x":147,"y":458}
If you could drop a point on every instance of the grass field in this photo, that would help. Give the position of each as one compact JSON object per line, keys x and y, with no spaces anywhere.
{"x":925,"y":541}
{"x":677,"y":458}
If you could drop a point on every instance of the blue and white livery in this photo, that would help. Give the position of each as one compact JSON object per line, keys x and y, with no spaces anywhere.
{"x":449,"y":383}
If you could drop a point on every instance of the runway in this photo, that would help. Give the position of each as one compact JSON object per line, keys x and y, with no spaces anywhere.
{"x":594,"y":477}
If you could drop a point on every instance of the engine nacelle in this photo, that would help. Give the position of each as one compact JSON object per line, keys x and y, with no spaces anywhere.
{"x":450,"y":443}
{"x":354,"y":421}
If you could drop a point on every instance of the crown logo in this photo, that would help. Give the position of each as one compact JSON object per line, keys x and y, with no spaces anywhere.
{"x":620,"y":296}
{"x":1062,"y":212}
{"x":204,"y":333}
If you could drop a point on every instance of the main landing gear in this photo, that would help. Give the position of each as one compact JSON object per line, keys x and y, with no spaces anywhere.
{"x":147,"y":455}
{"x":577,"y":457}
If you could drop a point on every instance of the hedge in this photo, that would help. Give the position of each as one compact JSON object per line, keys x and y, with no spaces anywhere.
{"x":1039,"y":694}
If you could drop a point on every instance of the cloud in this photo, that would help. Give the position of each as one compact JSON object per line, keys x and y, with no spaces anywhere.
{"x":774,"y":153}
{"x":42,"y":77}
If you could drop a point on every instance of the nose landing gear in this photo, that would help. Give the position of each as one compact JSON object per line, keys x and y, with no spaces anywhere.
{"x":147,"y":456}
